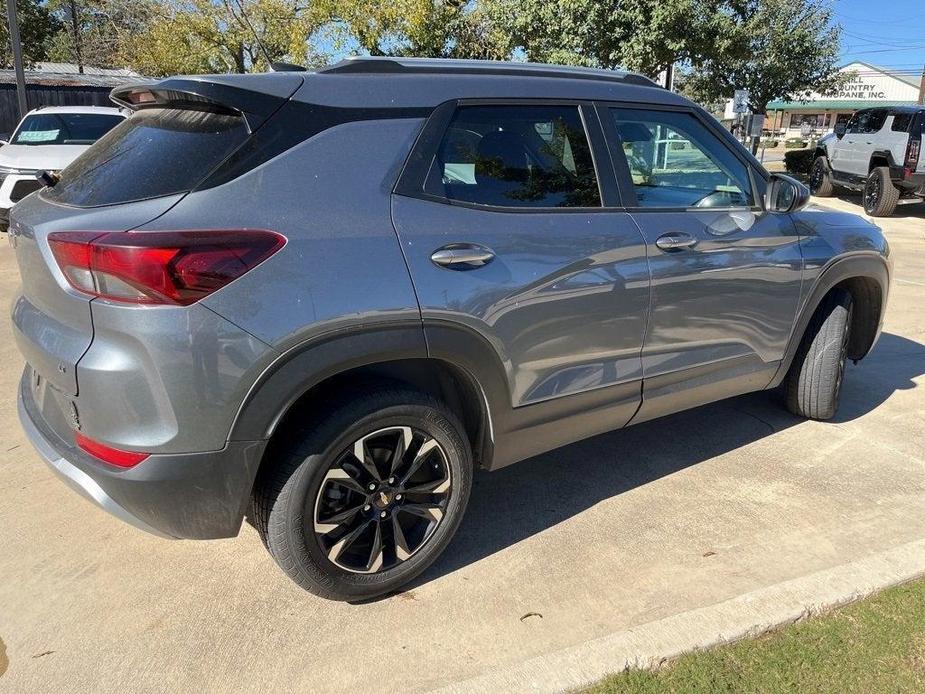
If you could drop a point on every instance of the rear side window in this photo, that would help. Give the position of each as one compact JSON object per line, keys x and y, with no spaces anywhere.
{"x":515,"y":156}
{"x":153,"y":153}
{"x":901,"y":122}
{"x":64,"y":128}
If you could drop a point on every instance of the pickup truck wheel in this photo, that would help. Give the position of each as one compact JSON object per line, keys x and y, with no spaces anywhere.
{"x":880,"y":195}
{"x":820,"y":178}
{"x":814,"y":381}
{"x":369,"y":497}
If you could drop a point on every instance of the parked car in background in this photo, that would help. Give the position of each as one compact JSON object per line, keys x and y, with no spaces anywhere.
{"x":47,"y":139}
{"x":322,"y":300}
{"x":876,"y":153}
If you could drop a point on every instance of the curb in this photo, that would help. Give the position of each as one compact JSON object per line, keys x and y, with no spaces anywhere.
{"x":745,"y":616}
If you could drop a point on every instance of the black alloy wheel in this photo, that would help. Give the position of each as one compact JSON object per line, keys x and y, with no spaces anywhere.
{"x":381,"y":500}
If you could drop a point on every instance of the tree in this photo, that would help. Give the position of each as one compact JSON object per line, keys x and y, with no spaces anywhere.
{"x":37,"y":27}
{"x":196,"y":36}
{"x":425,"y":28}
{"x":645,"y":35}
{"x":779,"y":49}
{"x":92,"y":31}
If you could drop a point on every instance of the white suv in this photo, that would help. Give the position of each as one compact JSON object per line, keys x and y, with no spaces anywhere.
{"x":876,"y":153}
{"x":47,"y":139}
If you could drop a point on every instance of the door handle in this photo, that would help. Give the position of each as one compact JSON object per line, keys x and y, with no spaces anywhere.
{"x":675,"y":241}
{"x":462,"y":256}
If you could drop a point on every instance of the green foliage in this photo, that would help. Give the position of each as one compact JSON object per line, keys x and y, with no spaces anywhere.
{"x":770,"y":143}
{"x":643,"y":35}
{"x":426,"y":28}
{"x":799,"y":161}
{"x":195,"y":36}
{"x":794,"y":143}
{"x":777,"y":49}
{"x":92,"y":31}
{"x":37,"y":28}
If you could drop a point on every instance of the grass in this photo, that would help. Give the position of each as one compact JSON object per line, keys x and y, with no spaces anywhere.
{"x":874,"y":645}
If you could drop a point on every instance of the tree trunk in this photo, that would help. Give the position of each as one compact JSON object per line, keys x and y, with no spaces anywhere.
{"x":75,"y":26}
{"x":239,"y":58}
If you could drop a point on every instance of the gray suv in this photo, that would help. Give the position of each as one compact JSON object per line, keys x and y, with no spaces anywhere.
{"x":321,"y":300}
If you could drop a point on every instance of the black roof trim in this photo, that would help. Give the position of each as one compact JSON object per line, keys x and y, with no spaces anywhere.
{"x":368,"y":66}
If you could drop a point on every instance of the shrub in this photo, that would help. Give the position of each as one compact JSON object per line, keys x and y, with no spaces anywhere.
{"x":770,"y":143}
{"x":799,"y":161}
{"x":795,"y":143}
{"x":678,"y":145}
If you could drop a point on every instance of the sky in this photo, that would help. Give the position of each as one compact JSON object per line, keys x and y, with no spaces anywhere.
{"x":889,"y":33}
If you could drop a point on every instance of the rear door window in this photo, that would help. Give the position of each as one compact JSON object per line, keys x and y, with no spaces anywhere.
{"x":153,"y":153}
{"x":515,"y":156}
{"x":871,"y":121}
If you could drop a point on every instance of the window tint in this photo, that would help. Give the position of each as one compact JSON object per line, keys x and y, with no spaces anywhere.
{"x":675,"y":161}
{"x":876,"y":121}
{"x":515,"y":156}
{"x":901,"y":122}
{"x":154,"y":152}
{"x":64,"y":128}
{"x":853,"y":124}
{"x":870,"y":121}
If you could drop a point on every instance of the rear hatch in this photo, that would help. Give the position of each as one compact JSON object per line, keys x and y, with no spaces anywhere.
{"x":182,"y":131}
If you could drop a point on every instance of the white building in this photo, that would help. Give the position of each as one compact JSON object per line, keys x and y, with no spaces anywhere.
{"x":868,"y":86}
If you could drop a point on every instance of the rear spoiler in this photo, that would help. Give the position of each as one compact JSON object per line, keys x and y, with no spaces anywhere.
{"x":255,"y":97}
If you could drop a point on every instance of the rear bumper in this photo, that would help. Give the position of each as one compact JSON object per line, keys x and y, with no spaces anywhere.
{"x":192,"y":496}
{"x":914,"y":183}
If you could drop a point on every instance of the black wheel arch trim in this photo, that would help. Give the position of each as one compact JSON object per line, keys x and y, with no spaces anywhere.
{"x":866,"y":266}
{"x":300,"y":369}
{"x":896,"y":171}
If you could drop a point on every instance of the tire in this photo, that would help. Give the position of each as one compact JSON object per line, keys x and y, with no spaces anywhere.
{"x":820,"y":178}
{"x":315,"y":473}
{"x":880,"y":195}
{"x":814,"y":381}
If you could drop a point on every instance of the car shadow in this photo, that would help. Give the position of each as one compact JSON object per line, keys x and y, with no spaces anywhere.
{"x":519,"y":501}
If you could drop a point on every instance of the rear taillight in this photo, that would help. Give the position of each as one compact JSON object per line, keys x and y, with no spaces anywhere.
{"x":159,"y":267}
{"x":912,"y":156}
{"x":112,"y":456}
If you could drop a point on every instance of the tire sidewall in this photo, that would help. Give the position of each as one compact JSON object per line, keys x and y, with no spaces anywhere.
{"x":305,"y":483}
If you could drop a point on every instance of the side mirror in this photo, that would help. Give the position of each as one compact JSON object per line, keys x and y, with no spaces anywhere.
{"x":785,"y":194}
{"x":840,"y":129}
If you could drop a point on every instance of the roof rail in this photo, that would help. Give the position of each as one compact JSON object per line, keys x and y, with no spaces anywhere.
{"x":374,"y":65}
{"x":286,"y":67}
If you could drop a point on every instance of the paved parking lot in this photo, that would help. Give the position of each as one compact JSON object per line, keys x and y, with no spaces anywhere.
{"x":599,"y":538}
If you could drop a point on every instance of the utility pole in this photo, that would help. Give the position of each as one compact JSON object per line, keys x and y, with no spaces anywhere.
{"x":922,"y":87}
{"x":17,"y":57}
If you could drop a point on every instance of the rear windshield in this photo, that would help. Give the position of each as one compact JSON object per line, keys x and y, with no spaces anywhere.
{"x":154,"y":152}
{"x":64,"y":128}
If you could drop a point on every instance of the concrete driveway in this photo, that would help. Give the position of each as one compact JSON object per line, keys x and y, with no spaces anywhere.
{"x":726,"y":507}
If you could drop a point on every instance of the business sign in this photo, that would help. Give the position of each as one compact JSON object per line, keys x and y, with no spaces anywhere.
{"x":740,"y":101}
{"x":866,"y":83}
